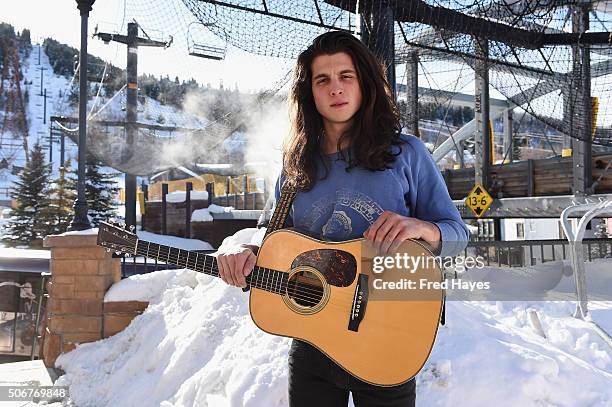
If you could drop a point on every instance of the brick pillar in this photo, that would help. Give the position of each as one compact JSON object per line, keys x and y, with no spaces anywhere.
{"x":118,"y":315}
{"x":81,"y":273}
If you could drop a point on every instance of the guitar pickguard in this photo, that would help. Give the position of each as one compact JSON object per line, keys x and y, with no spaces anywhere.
{"x":338,"y":267}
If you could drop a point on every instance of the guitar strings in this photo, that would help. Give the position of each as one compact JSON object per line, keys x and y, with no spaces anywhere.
{"x":263,"y":284}
{"x":302,"y":293}
{"x":305,"y":290}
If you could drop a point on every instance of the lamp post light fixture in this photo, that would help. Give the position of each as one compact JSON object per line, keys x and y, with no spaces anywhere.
{"x":80,"y":220}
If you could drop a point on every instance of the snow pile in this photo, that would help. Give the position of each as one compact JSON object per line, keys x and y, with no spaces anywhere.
{"x":180,"y":196}
{"x":195,"y":345}
{"x":489,"y":354}
{"x":149,"y":287}
{"x":204,"y":215}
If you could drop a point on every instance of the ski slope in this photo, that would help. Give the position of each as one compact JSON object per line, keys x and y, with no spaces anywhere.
{"x":100,"y":107}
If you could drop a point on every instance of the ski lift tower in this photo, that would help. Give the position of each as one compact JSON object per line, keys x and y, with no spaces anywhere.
{"x":133,"y":41}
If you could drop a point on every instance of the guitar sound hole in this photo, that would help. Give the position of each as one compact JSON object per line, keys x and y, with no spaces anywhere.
{"x":305,"y":288}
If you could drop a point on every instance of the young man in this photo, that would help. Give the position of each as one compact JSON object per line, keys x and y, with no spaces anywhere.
{"x":357,"y":176}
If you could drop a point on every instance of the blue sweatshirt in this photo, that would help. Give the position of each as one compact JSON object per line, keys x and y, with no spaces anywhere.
{"x":344,"y":204}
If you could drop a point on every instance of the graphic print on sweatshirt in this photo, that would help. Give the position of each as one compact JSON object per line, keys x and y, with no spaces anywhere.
{"x":333,"y":217}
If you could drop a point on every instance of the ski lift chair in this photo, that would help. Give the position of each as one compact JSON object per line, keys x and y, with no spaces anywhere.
{"x":201,"y":50}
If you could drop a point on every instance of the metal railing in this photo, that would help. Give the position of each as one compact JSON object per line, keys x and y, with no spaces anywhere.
{"x":524,"y":253}
{"x":141,"y":265}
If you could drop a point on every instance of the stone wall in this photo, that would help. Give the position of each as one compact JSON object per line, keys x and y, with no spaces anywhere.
{"x":118,"y":315}
{"x":81,"y":273}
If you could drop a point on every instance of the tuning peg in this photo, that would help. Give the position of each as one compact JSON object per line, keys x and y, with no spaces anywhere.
{"x":132,"y":227}
{"x":108,"y":250}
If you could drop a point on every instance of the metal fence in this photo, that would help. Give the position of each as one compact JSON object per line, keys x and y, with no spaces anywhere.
{"x":531,"y":252}
{"x":141,"y":265}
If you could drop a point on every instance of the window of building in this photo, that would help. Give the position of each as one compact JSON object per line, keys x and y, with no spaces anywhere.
{"x":520,"y":230}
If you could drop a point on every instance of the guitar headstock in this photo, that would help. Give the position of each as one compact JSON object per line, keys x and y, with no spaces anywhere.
{"x":115,"y":236}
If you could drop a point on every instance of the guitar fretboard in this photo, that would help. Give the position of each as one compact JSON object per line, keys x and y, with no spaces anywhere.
{"x":270,"y":280}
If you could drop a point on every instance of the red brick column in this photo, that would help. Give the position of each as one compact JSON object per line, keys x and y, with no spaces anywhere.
{"x":81,"y":273}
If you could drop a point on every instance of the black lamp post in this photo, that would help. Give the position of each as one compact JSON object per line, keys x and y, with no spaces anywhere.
{"x":80,"y":220}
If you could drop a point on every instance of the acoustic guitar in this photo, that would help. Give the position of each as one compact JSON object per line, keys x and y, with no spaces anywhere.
{"x":330,"y":295}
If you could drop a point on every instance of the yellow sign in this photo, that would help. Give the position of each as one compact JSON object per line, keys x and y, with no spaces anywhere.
{"x":141,"y":202}
{"x":478,"y":200}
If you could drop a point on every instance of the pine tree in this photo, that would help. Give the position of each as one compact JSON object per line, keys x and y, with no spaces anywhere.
{"x":25,"y":43}
{"x":62,"y":195}
{"x":26,"y":226}
{"x":100,"y":191}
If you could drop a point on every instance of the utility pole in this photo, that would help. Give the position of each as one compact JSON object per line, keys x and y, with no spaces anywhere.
{"x":508,"y":134}
{"x":482,"y":140}
{"x":582,"y":112}
{"x":133,"y":41}
{"x":51,"y":146}
{"x":45,"y":107}
{"x":412,"y":93}
{"x":62,"y":148}
{"x":42,"y":70}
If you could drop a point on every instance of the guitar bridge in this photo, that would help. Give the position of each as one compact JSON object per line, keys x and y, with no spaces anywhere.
{"x":360,"y":301}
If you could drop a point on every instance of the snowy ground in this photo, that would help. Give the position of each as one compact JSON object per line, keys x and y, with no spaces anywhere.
{"x":195,"y":345}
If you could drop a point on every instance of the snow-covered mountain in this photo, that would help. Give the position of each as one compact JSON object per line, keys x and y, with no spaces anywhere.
{"x":100,"y":107}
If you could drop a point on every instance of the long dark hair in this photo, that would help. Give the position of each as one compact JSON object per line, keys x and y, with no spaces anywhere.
{"x":376,"y":124}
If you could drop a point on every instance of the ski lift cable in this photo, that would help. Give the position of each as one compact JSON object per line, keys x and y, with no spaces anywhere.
{"x":95,"y":101}
{"x":91,"y":116}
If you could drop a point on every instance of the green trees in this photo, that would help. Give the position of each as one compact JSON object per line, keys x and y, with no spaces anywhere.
{"x":101,"y":191}
{"x":29,"y":223}
{"x":44,"y":206}
{"x":62,"y":194}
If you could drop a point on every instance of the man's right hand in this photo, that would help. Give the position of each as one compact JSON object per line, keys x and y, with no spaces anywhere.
{"x":235,"y":263}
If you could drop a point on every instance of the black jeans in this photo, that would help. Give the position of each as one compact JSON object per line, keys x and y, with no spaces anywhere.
{"x":316,"y":381}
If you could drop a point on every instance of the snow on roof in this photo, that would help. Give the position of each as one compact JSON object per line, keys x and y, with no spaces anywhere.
{"x":6,"y":252}
{"x":180,"y":196}
{"x":91,"y":231}
{"x":204,"y":215}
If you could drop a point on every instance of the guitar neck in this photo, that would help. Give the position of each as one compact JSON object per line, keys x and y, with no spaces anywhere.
{"x":270,"y":280}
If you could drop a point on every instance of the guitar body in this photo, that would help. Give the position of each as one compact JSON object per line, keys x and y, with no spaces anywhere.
{"x":337,"y":296}
{"x":395,"y":336}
